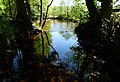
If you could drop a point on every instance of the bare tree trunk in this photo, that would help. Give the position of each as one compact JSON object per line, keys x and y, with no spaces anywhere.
{"x":46,"y":14}
{"x":92,"y":9}
{"x":106,"y":9}
{"x":23,"y":15}
{"x":40,"y":12}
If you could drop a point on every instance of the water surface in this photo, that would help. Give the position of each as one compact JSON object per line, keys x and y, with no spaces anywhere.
{"x":62,"y":36}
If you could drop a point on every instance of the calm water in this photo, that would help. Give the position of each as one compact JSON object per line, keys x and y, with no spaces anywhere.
{"x":25,"y":63}
{"x":63,"y":37}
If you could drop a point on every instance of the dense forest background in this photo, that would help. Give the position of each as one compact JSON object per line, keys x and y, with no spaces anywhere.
{"x":77,"y":11}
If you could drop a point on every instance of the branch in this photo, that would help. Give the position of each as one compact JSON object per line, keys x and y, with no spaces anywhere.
{"x":43,"y":54}
{"x":46,"y":33}
{"x":91,"y":9}
{"x":46,"y":14}
{"x":51,"y":45}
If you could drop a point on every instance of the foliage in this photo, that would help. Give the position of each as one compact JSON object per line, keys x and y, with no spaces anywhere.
{"x":38,"y":46}
{"x":79,"y":12}
{"x":6,"y":34}
{"x":35,"y":8}
{"x":2,"y":8}
{"x":100,"y":37}
{"x":38,"y":43}
{"x":8,"y":11}
{"x":76,"y":12}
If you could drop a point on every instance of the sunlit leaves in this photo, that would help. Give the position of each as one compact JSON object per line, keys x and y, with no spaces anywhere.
{"x":7,"y":9}
{"x":2,"y":8}
{"x":35,"y":7}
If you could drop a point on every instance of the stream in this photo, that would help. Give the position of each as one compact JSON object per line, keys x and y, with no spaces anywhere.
{"x":54,"y":55}
{"x":62,"y":36}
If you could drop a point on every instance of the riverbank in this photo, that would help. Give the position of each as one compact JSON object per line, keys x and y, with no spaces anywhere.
{"x":64,"y":19}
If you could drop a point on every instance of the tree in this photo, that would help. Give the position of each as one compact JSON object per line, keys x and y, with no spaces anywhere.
{"x":106,"y":9}
{"x":23,"y":15}
{"x":46,"y":13}
{"x":92,"y":9}
{"x":62,"y":7}
{"x":78,"y":11}
{"x":41,"y":12}
{"x":7,"y":9}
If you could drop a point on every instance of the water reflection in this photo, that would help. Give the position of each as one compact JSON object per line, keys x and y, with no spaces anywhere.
{"x":62,"y":45}
{"x":57,"y":25}
{"x":62,"y":36}
{"x":17,"y":61}
{"x":38,"y":45}
{"x":25,"y":61}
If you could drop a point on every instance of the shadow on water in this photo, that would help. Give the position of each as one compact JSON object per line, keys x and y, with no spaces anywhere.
{"x":39,"y":67}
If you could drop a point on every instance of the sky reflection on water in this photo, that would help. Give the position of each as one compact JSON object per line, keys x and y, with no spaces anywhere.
{"x":63,"y":37}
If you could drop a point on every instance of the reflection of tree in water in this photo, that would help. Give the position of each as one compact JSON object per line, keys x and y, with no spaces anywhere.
{"x":75,"y":57}
{"x":88,"y":67}
{"x":38,"y":45}
{"x":66,"y":34}
{"x":47,"y":25}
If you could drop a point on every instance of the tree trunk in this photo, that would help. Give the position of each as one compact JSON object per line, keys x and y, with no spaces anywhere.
{"x":106,"y":9}
{"x":40,"y":12}
{"x":46,"y":14}
{"x":92,"y":9}
{"x":23,"y":15}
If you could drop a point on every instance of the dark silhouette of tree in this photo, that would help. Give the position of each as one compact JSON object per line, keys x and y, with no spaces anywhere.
{"x":23,"y":15}
{"x":92,"y":9}
{"x":106,"y":9}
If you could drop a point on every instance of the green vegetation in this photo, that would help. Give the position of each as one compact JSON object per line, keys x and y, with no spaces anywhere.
{"x":35,"y":8}
{"x":7,"y":9}
{"x":6,"y":35}
{"x":38,"y":44}
{"x":76,"y":12}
